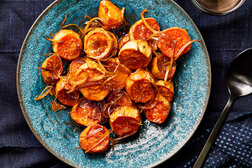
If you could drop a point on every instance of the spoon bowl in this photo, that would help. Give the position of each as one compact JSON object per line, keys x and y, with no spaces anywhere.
{"x":239,"y":83}
{"x":239,"y":74}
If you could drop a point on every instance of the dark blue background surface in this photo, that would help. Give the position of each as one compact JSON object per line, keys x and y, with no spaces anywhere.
{"x":225,"y":37}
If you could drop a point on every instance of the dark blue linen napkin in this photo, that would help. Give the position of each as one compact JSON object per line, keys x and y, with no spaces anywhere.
{"x":225,"y":37}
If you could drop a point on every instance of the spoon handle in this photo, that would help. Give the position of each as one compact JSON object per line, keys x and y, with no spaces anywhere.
{"x":200,"y":160}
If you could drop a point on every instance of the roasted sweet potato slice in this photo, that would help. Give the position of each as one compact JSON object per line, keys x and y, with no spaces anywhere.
{"x":95,"y":92}
{"x":121,"y":73}
{"x":116,"y":99}
{"x":166,"y":89}
{"x":67,"y":44}
{"x":135,"y":54}
{"x":86,"y":112}
{"x":82,"y":71}
{"x":93,"y":70}
{"x":120,"y":98}
{"x":179,"y":35}
{"x":138,"y":31}
{"x":95,"y":139}
{"x":76,"y":77}
{"x":62,"y":87}
{"x":123,"y":40}
{"x":111,"y":15}
{"x":75,"y":65}
{"x":51,"y":69}
{"x":98,"y":44}
{"x":159,"y":111}
{"x":172,"y":42}
{"x":159,"y":67}
{"x":125,"y":120}
{"x":139,"y":86}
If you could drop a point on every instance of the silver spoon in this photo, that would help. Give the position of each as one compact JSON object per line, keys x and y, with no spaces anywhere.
{"x":239,"y":83}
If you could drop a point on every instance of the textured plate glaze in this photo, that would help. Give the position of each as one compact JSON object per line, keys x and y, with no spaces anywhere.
{"x":154,"y":143}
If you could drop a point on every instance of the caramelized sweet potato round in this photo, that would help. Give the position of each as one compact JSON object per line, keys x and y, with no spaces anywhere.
{"x":75,"y":77}
{"x":159,"y":67}
{"x":160,"y":110}
{"x":93,"y":70}
{"x":117,"y":82}
{"x":138,"y":31}
{"x":95,"y":139}
{"x":75,"y":65}
{"x":125,"y":120}
{"x":67,"y":44}
{"x":95,"y":92}
{"x":111,"y":15}
{"x":179,"y":35}
{"x":98,"y":43}
{"x":166,"y":89}
{"x":139,"y":86}
{"x":120,"y":98}
{"x":115,"y":100}
{"x":86,"y":70}
{"x":135,"y":54}
{"x":51,"y":69}
{"x":61,"y":89}
{"x":86,"y":113}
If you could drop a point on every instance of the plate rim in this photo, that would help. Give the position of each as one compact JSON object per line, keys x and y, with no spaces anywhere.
{"x":166,"y":157}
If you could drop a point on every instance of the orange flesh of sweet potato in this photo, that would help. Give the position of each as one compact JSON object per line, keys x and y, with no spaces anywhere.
{"x":121,"y":73}
{"x":135,"y":54}
{"x":179,"y":35}
{"x":65,"y":98}
{"x":160,"y":111}
{"x":98,"y":44}
{"x":119,"y":98}
{"x":139,"y":31}
{"x":95,"y":93}
{"x":95,"y":139}
{"x":86,"y":113}
{"x":52,"y":67}
{"x":67,"y":44}
{"x":110,"y":14}
{"x":125,"y":120}
{"x":72,"y":75}
{"x":166,"y":89}
{"x":139,"y":86}
{"x":159,"y":67}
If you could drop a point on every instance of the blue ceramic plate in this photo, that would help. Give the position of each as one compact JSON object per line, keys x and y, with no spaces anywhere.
{"x":154,"y":143}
